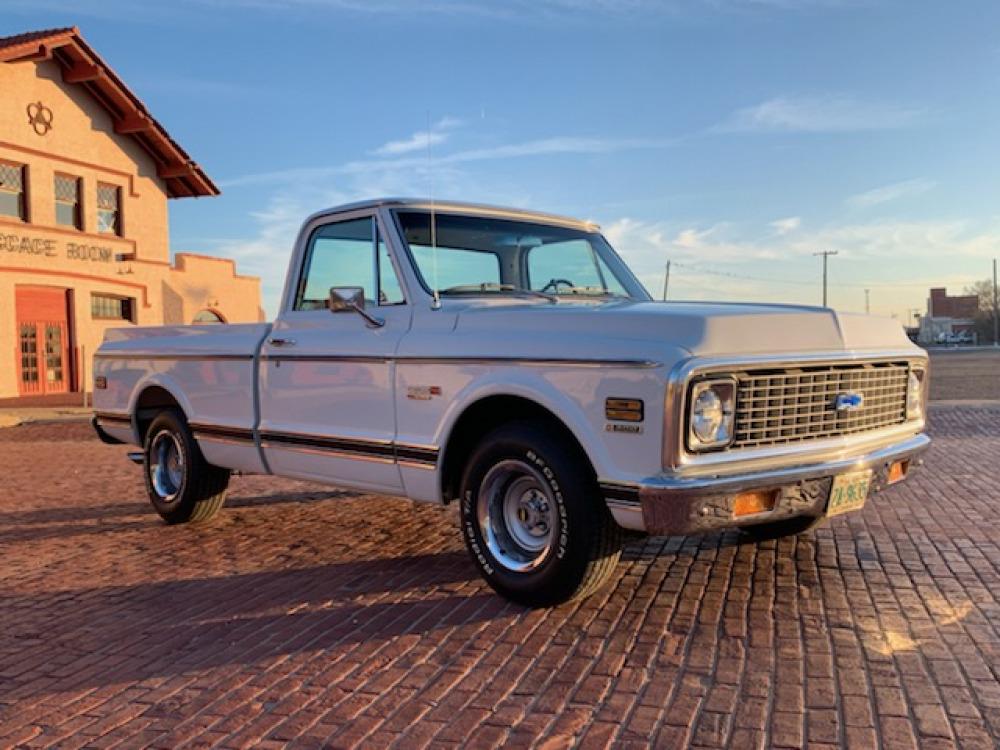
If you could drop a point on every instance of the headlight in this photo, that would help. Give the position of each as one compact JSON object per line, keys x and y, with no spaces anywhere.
{"x":915,"y":395}
{"x":710,"y":422}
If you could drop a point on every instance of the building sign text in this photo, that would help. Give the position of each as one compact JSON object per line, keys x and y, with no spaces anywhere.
{"x":12,"y":243}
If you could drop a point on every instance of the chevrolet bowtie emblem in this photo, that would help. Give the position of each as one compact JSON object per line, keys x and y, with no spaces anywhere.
{"x":849,"y":401}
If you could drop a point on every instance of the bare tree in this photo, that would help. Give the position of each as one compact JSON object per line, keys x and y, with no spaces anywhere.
{"x":984,"y":319}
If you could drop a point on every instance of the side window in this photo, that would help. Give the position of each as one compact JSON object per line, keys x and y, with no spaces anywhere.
{"x":390,"y":292}
{"x":338,"y":255}
{"x":343,"y":254}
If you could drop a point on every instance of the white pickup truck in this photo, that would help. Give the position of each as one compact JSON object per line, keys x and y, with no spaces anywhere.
{"x":509,"y":362}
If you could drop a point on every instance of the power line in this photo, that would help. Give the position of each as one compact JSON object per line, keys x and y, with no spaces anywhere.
{"x":870,"y":284}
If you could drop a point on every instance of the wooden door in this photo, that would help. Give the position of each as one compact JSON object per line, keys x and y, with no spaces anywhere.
{"x":43,"y":340}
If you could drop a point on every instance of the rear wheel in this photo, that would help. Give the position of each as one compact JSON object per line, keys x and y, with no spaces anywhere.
{"x":181,"y":485}
{"x":776,"y":529}
{"x":533,"y":517}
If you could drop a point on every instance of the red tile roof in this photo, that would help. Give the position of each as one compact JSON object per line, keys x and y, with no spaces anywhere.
{"x":83,"y":66}
{"x":33,"y":36}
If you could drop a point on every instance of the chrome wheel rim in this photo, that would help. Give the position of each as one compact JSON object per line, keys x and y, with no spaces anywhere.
{"x":166,"y":465}
{"x":517,"y":515}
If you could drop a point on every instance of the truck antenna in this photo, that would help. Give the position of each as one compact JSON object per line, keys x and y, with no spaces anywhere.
{"x":436,"y":302}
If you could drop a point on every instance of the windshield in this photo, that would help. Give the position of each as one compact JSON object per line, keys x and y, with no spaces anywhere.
{"x":483,"y":255}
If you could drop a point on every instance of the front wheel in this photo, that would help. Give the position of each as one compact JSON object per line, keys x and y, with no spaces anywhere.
{"x":533,"y":517}
{"x":182,"y":486}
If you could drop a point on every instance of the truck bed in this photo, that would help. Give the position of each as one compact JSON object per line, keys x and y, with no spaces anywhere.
{"x":212,"y":369}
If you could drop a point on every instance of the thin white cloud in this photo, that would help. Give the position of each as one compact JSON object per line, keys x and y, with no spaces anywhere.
{"x":837,"y":113}
{"x":533,"y":8}
{"x":505,"y":10}
{"x":897,"y":260}
{"x":785,"y":226}
{"x":417,"y":141}
{"x":539,"y":147}
{"x":422,"y":139}
{"x":894,"y":191}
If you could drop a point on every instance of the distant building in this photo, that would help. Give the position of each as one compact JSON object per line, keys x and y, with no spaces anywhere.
{"x":85,"y":175}
{"x":948,"y":317}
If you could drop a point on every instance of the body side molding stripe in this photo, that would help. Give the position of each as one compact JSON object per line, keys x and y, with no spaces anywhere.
{"x":187,"y":356}
{"x":106,"y":416}
{"x":426,"y":455}
{"x":221,"y":431}
{"x":366,"y":359}
{"x":417,"y":360}
{"x":620,"y":492}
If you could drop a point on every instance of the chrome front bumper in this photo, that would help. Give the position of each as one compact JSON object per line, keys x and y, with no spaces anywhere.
{"x":671,"y":504}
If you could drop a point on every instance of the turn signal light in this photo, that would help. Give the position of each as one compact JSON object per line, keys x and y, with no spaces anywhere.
{"x":623,"y":409}
{"x":757,"y":501}
{"x":897,"y":471}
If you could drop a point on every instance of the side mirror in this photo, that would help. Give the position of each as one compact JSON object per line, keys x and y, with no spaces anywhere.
{"x":352,"y":299}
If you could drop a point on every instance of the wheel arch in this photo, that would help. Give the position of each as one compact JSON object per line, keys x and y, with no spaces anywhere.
{"x":488,"y":413}
{"x":152,"y":397}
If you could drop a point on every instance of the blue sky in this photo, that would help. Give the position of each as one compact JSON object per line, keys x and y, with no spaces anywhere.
{"x":734,"y":137}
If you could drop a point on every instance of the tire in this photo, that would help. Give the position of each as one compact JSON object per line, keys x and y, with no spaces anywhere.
{"x":533,"y":517}
{"x":182,"y":486}
{"x":777,"y":529}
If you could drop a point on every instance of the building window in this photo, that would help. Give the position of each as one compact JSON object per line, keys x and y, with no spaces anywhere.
{"x":68,"y":201}
{"x":107,"y":307}
{"x":108,"y":209}
{"x":207,"y":316}
{"x":29,"y":354}
{"x":12,"y":201}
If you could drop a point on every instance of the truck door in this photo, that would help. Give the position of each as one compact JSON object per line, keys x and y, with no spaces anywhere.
{"x":326,"y":389}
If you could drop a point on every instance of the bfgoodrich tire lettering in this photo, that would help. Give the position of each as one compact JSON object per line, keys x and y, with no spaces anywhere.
{"x":533,"y":518}
{"x":181,"y":485}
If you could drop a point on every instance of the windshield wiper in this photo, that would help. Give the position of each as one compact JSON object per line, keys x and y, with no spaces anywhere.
{"x":491,"y":286}
{"x":593,"y":291}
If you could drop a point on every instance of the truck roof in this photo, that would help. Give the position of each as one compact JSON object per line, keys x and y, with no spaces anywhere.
{"x":478,"y":209}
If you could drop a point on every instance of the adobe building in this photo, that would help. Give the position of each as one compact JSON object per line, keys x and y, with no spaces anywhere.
{"x":948,"y":316}
{"x":85,"y":176}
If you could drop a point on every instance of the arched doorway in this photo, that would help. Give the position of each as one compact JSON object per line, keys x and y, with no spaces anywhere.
{"x":208,"y":317}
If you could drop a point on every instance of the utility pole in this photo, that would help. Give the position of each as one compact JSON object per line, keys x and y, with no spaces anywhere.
{"x":826,"y":254}
{"x":867,"y":306}
{"x":996,"y":310}
{"x":666,"y":281}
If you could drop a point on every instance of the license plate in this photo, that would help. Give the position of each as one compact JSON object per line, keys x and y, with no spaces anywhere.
{"x":849,"y":492}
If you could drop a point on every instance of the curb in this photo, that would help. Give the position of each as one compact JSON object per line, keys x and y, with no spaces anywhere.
{"x":974,"y":403}
{"x":13,"y":419}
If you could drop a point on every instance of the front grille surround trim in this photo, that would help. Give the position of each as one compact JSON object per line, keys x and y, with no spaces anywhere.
{"x":678,"y":458}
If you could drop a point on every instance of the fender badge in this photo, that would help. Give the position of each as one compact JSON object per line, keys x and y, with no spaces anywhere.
{"x":630,"y":429}
{"x":422,"y":392}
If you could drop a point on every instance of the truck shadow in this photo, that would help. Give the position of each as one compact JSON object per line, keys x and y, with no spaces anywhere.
{"x":67,"y":521}
{"x":94,"y":637}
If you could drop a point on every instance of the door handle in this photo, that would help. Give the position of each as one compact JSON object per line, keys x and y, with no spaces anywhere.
{"x":281,"y":342}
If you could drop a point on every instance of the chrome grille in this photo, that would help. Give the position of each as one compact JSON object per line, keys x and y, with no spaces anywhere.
{"x":797,"y":404}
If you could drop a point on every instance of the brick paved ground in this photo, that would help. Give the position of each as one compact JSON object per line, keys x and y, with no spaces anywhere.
{"x":336,"y":620}
{"x":965,"y":374}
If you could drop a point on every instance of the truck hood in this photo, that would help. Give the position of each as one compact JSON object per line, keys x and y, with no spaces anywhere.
{"x":701,"y":328}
